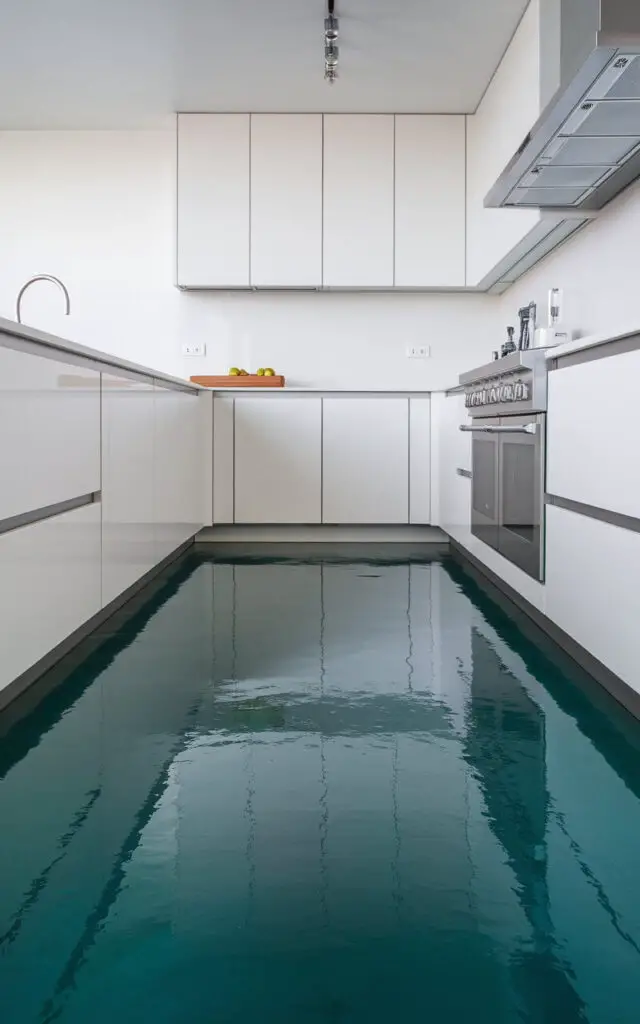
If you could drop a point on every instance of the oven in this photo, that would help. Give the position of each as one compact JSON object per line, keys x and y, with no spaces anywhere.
{"x":508,"y":460}
{"x":507,"y":488}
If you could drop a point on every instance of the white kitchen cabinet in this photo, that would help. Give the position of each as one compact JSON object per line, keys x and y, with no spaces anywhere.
{"x":177,"y":468}
{"x":223,"y":458}
{"x":592,"y":452}
{"x":277,"y":453}
{"x":366,"y":459}
{"x":420,"y":460}
{"x":592,"y":588}
{"x":128,"y":531}
{"x":49,"y":432}
{"x":213,"y":200}
{"x":509,"y":108}
{"x":358,"y":200}
{"x":429,"y":200}
{"x":286,"y":200}
{"x":49,"y":586}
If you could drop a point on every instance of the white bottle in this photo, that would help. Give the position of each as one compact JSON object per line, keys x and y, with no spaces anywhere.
{"x":557,"y":332}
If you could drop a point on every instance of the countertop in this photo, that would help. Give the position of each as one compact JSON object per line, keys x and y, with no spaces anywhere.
{"x":57,"y":344}
{"x":317,"y":391}
{"x":590,"y":341}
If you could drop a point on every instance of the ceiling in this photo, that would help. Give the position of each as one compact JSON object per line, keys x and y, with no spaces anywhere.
{"x":121,"y":63}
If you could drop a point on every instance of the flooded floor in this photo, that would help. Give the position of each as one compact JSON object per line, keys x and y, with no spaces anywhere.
{"x":320,"y":792}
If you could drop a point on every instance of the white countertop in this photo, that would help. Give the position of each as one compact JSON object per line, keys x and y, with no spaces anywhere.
{"x":316,"y":391}
{"x":590,"y":341}
{"x":57,"y":344}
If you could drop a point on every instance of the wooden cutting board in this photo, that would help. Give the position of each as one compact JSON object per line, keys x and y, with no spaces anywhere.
{"x":251,"y":380}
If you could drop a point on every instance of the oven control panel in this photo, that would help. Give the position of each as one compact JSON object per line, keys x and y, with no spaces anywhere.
{"x":498,"y":393}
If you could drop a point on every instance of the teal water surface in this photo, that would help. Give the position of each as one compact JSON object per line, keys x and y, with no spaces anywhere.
{"x":320,"y":792}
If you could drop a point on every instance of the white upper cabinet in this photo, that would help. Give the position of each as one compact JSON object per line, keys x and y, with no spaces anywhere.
{"x":511,"y":105}
{"x":358,"y":200}
{"x":286,"y":200}
{"x":213,"y":200}
{"x":429,"y":201}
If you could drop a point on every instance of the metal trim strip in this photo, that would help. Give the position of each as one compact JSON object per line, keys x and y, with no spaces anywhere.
{"x":37,"y":515}
{"x":618,"y":347}
{"x":604,"y":515}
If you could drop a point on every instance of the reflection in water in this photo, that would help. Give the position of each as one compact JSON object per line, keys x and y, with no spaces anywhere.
{"x":506,"y":747}
{"x":316,"y":792}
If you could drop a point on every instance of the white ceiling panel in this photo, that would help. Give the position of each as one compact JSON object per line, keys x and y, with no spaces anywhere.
{"x":120,"y":63}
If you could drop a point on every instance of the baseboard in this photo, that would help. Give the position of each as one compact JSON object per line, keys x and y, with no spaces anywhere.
{"x":532,"y":622}
{"x":116,"y":614}
{"x":320,"y":534}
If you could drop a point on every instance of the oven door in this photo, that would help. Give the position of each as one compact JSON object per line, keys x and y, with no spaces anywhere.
{"x":485,"y":480}
{"x":521,"y":492}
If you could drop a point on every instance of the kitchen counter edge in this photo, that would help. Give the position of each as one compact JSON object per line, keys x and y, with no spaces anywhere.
{"x":53,"y":343}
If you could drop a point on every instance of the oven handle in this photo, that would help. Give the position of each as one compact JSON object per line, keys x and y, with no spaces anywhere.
{"x":527,"y":428}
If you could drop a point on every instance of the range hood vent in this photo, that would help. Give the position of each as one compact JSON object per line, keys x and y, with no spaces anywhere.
{"x":585,"y":147}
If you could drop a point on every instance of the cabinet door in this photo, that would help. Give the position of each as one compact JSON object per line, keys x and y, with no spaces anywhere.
{"x":592,"y":452}
{"x":128,"y":532}
{"x":49,"y":432}
{"x":213,"y":200}
{"x":366,"y":460}
{"x":509,"y":108}
{"x":286,"y":200}
{"x":358,"y":200}
{"x":277,"y":459}
{"x":49,"y":586}
{"x":592,"y":588}
{"x":429,"y":201}
{"x":178,"y":447}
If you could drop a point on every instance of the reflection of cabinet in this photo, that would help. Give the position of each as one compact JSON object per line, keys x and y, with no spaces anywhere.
{"x":277,"y":445}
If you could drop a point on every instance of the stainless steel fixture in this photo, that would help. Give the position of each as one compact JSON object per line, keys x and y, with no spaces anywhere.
{"x":507,"y":400}
{"x":331,"y":49}
{"x":585,"y":147}
{"x":42,"y":277}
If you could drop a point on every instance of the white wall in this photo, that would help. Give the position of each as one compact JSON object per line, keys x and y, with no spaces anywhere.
{"x":598,"y":270}
{"x":98,"y":210}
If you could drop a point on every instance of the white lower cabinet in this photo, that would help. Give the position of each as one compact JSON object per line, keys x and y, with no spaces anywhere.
{"x":177,"y":468}
{"x":351,"y":459}
{"x":590,"y":405}
{"x":49,"y":586}
{"x":366,"y":460}
{"x":128,"y":532}
{"x":591,"y":589}
{"x":277,"y":459}
{"x":49,"y":432}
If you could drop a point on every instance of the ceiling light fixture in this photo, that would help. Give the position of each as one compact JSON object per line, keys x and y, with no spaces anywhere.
{"x":331,"y":31}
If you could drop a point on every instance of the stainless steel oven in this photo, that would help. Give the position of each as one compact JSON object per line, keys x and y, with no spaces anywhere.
{"x":508,"y":458}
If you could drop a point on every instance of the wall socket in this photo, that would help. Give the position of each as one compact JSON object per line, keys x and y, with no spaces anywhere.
{"x":418,"y":351}
{"x":194,"y":348}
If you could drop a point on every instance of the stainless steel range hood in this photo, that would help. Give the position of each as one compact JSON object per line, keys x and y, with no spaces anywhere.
{"x":585,"y":147}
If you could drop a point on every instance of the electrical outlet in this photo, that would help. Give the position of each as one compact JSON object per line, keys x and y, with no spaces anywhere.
{"x":194,"y":348}
{"x":418,"y":352}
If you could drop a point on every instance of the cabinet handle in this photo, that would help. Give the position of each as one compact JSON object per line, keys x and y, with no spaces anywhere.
{"x":527,"y":428}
